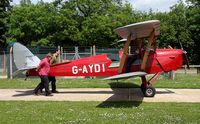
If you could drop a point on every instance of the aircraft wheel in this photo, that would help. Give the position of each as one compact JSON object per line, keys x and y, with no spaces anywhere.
{"x":150,"y":92}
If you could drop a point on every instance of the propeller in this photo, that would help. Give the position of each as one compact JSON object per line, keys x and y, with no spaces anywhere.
{"x":185,"y":56}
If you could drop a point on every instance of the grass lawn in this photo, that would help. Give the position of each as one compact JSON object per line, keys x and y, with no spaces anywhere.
{"x":98,"y":113}
{"x":181,"y":81}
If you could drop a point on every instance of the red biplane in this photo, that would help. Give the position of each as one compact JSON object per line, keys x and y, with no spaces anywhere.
{"x":139,"y":58}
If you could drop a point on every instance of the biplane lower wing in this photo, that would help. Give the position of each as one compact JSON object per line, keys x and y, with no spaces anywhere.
{"x":126,"y":75}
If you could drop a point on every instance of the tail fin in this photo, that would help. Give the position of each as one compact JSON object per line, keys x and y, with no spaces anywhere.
{"x":23,"y":58}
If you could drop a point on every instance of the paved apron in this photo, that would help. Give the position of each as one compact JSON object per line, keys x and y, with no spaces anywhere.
{"x":103,"y":94}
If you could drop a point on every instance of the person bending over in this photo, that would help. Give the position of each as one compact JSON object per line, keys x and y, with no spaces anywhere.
{"x":43,"y":71}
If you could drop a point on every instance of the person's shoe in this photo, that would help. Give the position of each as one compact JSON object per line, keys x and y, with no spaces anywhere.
{"x":54,"y":91}
{"x":36,"y":93}
{"x":49,"y":94}
{"x":41,"y":91}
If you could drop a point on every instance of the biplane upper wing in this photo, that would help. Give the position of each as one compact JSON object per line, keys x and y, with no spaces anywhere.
{"x":126,"y":75}
{"x":139,"y":30}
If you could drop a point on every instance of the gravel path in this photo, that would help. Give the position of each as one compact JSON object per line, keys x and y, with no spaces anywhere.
{"x":103,"y":94}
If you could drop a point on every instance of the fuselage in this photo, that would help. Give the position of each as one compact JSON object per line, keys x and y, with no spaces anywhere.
{"x":160,"y":60}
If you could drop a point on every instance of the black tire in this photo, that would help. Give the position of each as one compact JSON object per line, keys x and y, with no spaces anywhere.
{"x":150,"y":91}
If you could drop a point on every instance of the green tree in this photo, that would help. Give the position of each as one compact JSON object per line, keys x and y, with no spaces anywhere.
{"x":25,"y":2}
{"x":193,"y":16}
{"x":4,"y":7}
{"x":32,"y":23}
{"x":96,"y":20}
{"x":69,"y":23}
{"x":174,"y":27}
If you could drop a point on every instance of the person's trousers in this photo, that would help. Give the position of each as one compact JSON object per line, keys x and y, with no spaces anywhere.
{"x":52,"y":79}
{"x":44,"y":83}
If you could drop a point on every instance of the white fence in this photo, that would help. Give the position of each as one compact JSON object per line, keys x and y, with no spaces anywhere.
{"x":194,"y":69}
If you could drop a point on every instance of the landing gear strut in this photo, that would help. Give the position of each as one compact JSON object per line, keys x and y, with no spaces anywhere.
{"x":146,"y":88}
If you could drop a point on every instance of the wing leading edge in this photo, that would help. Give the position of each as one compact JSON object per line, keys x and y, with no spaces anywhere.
{"x":126,"y":75}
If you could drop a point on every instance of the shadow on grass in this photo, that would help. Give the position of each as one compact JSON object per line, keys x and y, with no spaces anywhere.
{"x":119,"y":104}
{"x":126,"y":95}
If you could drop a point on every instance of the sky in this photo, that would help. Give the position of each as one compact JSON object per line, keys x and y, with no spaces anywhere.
{"x":141,"y":5}
{"x":155,"y":5}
